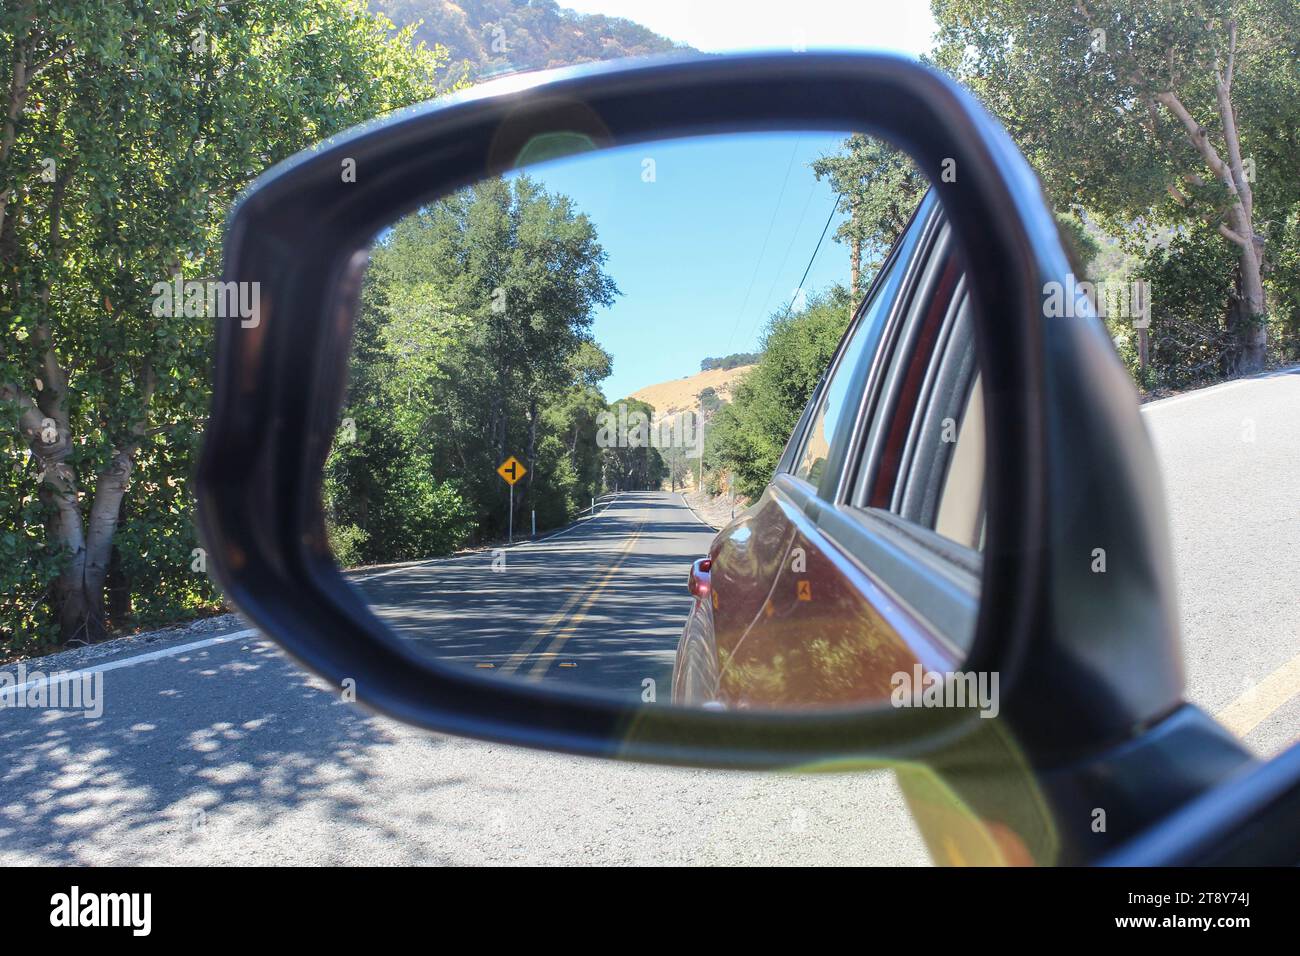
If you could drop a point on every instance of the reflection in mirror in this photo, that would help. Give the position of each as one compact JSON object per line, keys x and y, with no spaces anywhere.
{"x":693,"y":421}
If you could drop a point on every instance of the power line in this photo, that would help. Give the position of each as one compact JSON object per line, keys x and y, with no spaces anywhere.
{"x":789,"y":247}
{"x":813,"y":258}
{"x":834,"y":206}
{"x":763,"y":249}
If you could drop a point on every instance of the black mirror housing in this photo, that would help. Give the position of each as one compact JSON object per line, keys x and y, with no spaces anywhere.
{"x":1084,"y":658}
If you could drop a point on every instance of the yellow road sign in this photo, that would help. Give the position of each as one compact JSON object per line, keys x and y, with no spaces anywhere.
{"x":511,"y":470}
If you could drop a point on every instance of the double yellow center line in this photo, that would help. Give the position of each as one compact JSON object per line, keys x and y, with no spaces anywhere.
{"x":561,"y":624}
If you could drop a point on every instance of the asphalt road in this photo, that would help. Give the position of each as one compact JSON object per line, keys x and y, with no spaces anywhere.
{"x":600,"y":605}
{"x":1230,"y":465}
{"x":213,"y":748}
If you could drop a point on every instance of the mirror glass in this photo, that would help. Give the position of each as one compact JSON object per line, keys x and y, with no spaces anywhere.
{"x":693,"y":421}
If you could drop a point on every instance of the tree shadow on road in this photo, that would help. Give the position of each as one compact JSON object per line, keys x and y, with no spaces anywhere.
{"x":206,"y":746}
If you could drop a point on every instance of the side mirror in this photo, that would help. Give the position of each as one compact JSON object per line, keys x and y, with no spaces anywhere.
{"x":1083,"y":657}
{"x":698,"y":582}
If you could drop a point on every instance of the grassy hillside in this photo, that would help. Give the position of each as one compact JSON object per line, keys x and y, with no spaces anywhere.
{"x":681,"y":393}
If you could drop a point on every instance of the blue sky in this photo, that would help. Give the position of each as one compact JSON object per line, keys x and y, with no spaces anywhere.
{"x":718,"y":242}
{"x":708,"y":249}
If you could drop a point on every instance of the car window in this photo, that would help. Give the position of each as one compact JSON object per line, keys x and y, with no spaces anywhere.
{"x":959,"y":515}
{"x":926,"y":448}
{"x":838,"y":401}
{"x":938,"y":478}
{"x":817,"y":441}
{"x":914,"y":516}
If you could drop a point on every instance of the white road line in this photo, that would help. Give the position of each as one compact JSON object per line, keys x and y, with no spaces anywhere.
{"x":694,"y":513}
{"x":576,"y":524}
{"x":1199,"y":393}
{"x":406,"y":566}
{"x":130,"y":661}
{"x":402,"y":567}
{"x":416,"y":564}
{"x":1216,"y":389}
{"x":237,"y":635}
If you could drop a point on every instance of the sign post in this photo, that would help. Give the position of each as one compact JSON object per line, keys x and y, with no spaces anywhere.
{"x":511,"y":471}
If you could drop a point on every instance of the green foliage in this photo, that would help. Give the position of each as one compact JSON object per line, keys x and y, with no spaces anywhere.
{"x":156,"y":539}
{"x":383,"y":503}
{"x":347,"y":542}
{"x":137,"y":124}
{"x":472,"y":344}
{"x":709,"y":399}
{"x":629,"y":458}
{"x":879,"y":187}
{"x":1191,"y":283}
{"x":1284,"y":285}
{"x":1080,"y":102}
{"x":1131,"y":110}
{"x":1079,"y":241}
{"x":749,"y":434}
{"x":27,"y":566}
{"x":734,"y":360}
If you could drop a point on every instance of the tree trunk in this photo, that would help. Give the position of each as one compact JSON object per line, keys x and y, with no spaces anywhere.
{"x":105,"y":511}
{"x":1237,"y":225}
{"x":79,"y":590}
{"x":1251,"y":332}
{"x":78,"y":595}
{"x":855,"y":264}
{"x":43,"y":421}
{"x":81,"y":619}
{"x":118,"y":587}
{"x":118,"y":597}
{"x":527,"y":497}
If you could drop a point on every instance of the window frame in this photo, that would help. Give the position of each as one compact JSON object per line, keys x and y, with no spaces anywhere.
{"x":938,"y":580}
{"x":950,"y":376}
{"x":864,"y":376}
{"x":895,"y":366}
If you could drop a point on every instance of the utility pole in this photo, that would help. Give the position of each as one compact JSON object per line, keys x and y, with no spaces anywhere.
{"x":699,"y":416}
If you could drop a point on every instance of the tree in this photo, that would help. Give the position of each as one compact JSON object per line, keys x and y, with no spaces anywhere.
{"x":572,"y":459}
{"x":1188,"y":339}
{"x":1182,"y":112}
{"x":726,"y":362}
{"x":629,"y":459}
{"x":879,"y":187}
{"x":473,"y":343}
{"x":128,"y":130}
{"x":747,"y":436}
